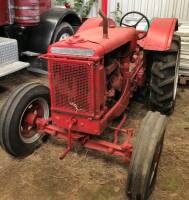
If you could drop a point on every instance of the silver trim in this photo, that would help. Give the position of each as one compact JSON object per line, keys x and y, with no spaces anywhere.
{"x":27,"y":7}
{"x":29,"y":18}
{"x":176,"y":75}
{"x":72,"y":51}
{"x":11,"y":11}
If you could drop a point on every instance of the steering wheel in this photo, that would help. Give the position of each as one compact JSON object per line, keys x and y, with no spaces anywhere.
{"x":140,"y":19}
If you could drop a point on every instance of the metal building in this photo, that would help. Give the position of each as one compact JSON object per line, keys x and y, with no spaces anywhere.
{"x":153,"y":8}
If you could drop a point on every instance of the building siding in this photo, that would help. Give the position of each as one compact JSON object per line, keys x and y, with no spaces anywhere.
{"x":153,"y":8}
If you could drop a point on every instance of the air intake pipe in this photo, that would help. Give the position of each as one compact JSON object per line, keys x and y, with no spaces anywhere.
{"x":105,"y":24}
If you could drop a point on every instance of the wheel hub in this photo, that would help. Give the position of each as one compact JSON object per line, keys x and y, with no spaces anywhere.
{"x":64,"y":36}
{"x":35,"y":109}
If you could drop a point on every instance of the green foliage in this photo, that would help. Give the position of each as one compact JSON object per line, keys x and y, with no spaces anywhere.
{"x":60,"y":2}
{"x":78,"y":6}
{"x":117,"y":14}
{"x":86,"y":8}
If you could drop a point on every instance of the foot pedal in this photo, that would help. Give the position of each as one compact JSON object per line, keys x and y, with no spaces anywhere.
{"x":30,"y":54}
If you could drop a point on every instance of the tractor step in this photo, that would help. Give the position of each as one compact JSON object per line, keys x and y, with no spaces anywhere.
{"x":11,"y":68}
{"x":30,"y":54}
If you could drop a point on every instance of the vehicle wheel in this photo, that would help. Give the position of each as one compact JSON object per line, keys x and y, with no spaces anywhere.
{"x":63,"y":31}
{"x":146,"y":155}
{"x":164,"y":79}
{"x":16,"y":136}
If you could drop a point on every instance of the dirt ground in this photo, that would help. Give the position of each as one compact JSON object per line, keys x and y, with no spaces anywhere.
{"x":89,"y":175}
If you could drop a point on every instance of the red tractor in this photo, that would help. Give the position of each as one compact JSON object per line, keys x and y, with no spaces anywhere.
{"x":93,"y":75}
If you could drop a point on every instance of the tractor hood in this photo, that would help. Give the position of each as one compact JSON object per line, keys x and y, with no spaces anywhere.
{"x":91,"y":44}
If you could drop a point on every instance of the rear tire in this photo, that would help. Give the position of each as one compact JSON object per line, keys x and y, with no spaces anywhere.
{"x":164,"y":79}
{"x":16,"y":137}
{"x":146,"y":155}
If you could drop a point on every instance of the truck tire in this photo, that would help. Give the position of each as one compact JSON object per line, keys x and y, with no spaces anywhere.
{"x":16,"y":136}
{"x":63,"y":31}
{"x":146,"y":155}
{"x":164,"y":79}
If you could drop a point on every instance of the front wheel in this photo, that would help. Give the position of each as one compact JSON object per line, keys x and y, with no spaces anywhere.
{"x":17,"y":137}
{"x":145,"y":158}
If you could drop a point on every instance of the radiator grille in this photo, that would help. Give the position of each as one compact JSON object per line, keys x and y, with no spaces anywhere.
{"x":71,"y":85}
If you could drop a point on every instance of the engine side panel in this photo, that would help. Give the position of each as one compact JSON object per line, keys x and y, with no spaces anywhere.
{"x":160,"y":34}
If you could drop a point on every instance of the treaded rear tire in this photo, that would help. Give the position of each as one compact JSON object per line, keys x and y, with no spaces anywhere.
{"x":164,"y":79}
{"x":147,"y":148}
{"x":11,"y":114}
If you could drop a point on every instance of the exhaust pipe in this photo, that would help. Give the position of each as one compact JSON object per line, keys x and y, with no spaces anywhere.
{"x":105,"y":24}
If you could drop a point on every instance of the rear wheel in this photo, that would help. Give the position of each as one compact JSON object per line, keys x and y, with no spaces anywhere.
{"x":164,"y":79}
{"x":17,"y":137}
{"x":146,"y":155}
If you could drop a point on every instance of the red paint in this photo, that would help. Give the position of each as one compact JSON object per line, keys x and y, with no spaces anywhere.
{"x":94,"y":23}
{"x":105,"y":7}
{"x":45,"y":5}
{"x":27,"y":12}
{"x":30,"y":117}
{"x":160,"y":34}
{"x":93,"y":39}
{"x":67,"y":5}
{"x":123,"y":149}
{"x":4,"y":13}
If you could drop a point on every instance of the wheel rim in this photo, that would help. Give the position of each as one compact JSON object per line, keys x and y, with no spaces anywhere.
{"x":39,"y":107}
{"x":176,"y":76}
{"x":64,"y":36}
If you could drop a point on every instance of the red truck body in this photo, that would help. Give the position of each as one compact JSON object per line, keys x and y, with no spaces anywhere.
{"x":4,"y":13}
{"x":23,"y":12}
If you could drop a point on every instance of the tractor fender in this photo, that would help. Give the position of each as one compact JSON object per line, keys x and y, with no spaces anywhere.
{"x":160,"y":34}
{"x":40,"y":37}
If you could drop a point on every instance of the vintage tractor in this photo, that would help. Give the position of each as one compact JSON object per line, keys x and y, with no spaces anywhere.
{"x":92,"y":76}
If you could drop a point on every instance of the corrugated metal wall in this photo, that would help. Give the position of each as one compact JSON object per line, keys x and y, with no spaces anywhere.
{"x":153,"y":8}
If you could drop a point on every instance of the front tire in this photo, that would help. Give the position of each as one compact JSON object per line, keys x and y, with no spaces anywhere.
{"x":146,"y":155}
{"x":16,"y":136}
